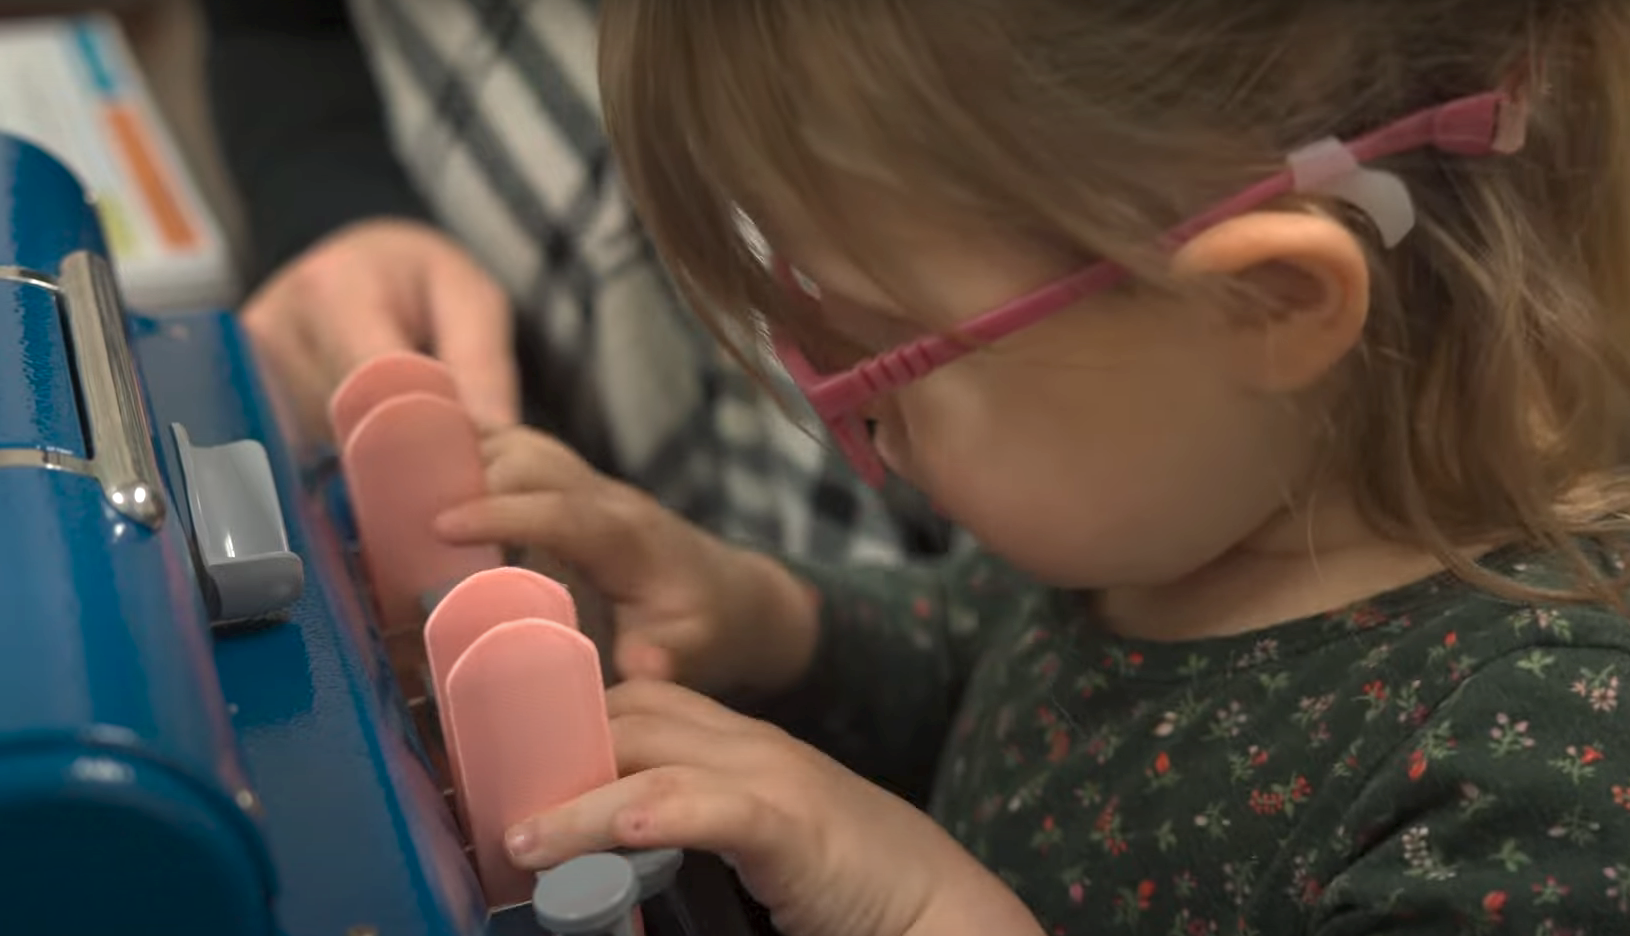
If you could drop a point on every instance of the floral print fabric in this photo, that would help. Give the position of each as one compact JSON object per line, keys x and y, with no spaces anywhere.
{"x":1436,"y":760}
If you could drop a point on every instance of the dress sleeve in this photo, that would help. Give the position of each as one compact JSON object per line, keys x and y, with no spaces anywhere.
{"x":301,"y":124}
{"x":896,"y":648}
{"x":1507,"y":812}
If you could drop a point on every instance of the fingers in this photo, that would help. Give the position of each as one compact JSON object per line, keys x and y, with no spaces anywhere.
{"x":696,"y":776}
{"x":526,"y":460}
{"x":292,"y":366}
{"x":584,"y":529}
{"x":646,"y":742}
{"x":640,"y":699}
{"x":648,"y":716}
{"x":658,"y":725}
{"x":350,"y":307}
{"x":287,"y":362}
{"x":668,"y":807}
{"x":703,"y":811}
{"x":385,"y":286}
{"x":545,"y":495}
{"x":636,"y":658}
{"x":472,"y":327}
{"x":684,"y":649}
{"x":314,"y":323}
{"x":357,"y":326}
{"x":545,"y":519}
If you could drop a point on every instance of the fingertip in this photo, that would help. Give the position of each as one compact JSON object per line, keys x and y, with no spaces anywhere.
{"x":456,"y":524}
{"x":637,"y":659}
{"x":493,"y":416}
{"x":521,"y":841}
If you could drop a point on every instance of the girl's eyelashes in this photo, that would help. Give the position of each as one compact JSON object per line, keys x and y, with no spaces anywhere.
{"x":805,"y":285}
{"x":847,"y":331}
{"x":848,"y":315}
{"x":844,"y":334}
{"x":872,"y":330}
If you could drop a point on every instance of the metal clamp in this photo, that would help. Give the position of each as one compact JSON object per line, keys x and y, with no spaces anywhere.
{"x":122,"y":457}
{"x":121,"y":440}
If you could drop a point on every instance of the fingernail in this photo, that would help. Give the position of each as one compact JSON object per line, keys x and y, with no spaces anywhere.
{"x":520,"y":841}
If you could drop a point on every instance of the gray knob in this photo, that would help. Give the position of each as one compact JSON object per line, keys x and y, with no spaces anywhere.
{"x":588,"y":896}
{"x":655,"y":868}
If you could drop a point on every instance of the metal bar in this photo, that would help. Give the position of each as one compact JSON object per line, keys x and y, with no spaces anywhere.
{"x":32,"y":457}
{"x":121,"y":443}
{"x":47,"y":459}
{"x":17,"y":274}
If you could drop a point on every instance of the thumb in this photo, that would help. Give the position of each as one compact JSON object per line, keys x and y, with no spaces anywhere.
{"x":473,"y":331}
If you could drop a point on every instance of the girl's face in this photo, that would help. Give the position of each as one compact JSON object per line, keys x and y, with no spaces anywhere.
{"x":1125,"y":440}
{"x":1111,"y":444}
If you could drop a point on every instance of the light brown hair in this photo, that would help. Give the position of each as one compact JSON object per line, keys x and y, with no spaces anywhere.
{"x":1491,"y":398}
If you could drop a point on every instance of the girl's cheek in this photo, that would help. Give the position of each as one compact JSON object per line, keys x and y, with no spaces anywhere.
{"x":916,"y":429}
{"x":884,"y":440}
{"x":891,"y":439}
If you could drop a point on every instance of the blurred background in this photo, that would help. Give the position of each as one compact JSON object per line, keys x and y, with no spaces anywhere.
{"x":166,"y":37}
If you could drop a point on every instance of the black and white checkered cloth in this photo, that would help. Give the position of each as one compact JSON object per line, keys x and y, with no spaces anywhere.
{"x":493,"y":107}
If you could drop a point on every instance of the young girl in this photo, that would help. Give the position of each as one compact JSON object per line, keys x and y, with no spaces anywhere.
{"x":1297,"y":425}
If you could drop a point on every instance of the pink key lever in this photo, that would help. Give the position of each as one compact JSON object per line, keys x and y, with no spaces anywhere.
{"x":407,"y":461}
{"x":528,"y":709}
{"x":471,"y":609}
{"x":519,"y":691}
{"x":381,"y":379}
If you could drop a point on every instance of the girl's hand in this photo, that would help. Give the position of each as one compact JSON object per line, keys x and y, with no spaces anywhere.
{"x":686,"y":606}
{"x":828,"y":853}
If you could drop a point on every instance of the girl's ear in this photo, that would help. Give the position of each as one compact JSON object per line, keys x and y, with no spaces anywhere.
{"x":1305,"y":301}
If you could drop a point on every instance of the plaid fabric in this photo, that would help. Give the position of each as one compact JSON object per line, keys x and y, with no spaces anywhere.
{"x":493,"y":106}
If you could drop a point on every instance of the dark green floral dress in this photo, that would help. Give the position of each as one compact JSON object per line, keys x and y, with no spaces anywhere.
{"x":1436,"y":760}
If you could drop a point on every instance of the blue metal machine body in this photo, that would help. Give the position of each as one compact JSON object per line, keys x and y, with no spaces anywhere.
{"x":160,"y":773}
{"x":176,"y":760}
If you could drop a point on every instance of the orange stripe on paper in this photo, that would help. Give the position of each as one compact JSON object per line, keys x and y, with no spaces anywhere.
{"x":172,"y":220}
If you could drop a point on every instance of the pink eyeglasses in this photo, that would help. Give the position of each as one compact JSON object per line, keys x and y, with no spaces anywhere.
{"x":1480,"y":125}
